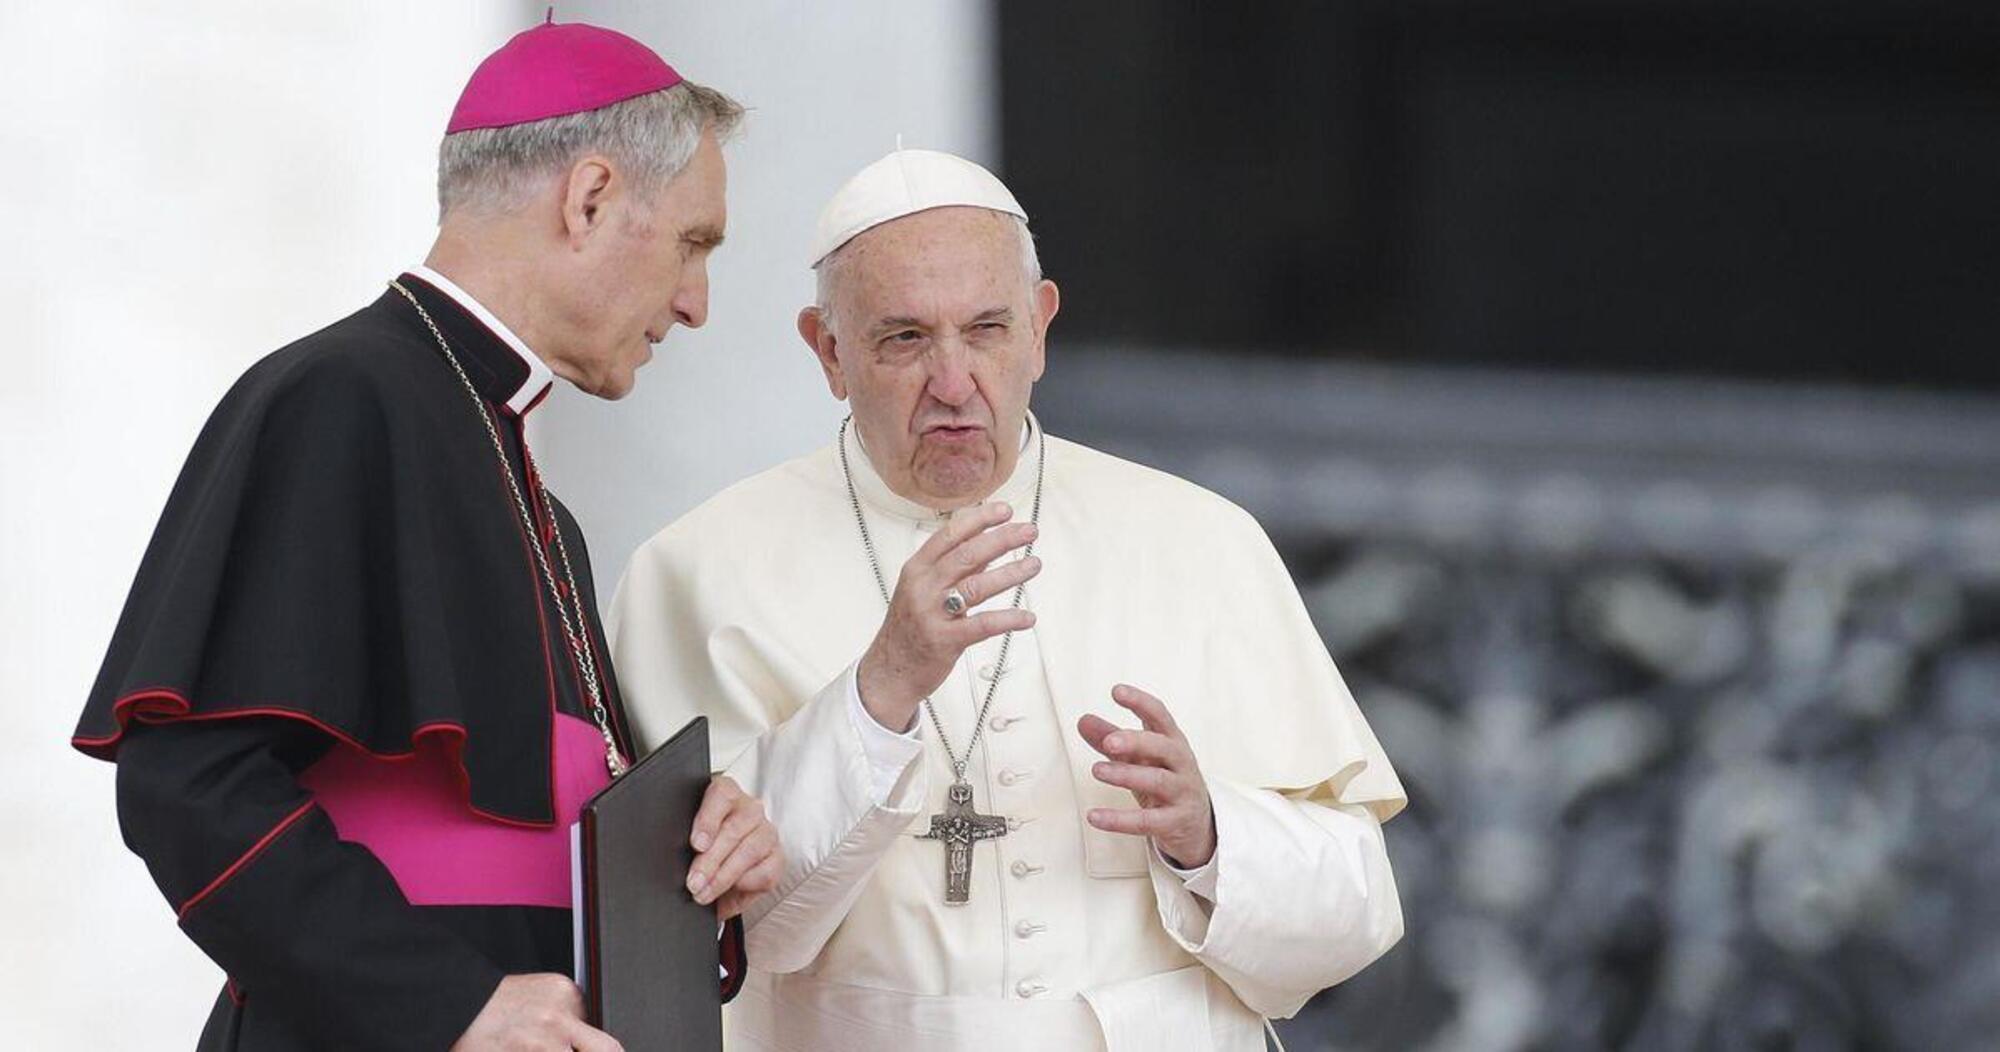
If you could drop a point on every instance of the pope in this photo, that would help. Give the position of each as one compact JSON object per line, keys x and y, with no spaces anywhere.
{"x":1056,"y":756}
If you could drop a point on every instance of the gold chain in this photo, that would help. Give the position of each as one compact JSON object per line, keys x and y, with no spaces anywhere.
{"x":585,"y":661}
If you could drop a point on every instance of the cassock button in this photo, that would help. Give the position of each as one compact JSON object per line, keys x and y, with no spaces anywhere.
{"x":1030,"y":988}
{"x":1024,"y":869}
{"x":1001,"y":723}
{"x":1028,"y":929}
{"x":1011,"y":776}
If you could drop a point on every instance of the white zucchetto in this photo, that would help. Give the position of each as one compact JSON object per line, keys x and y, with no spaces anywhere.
{"x":903,"y":183}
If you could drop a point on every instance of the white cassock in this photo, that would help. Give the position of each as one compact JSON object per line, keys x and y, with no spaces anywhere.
{"x":753,"y":609}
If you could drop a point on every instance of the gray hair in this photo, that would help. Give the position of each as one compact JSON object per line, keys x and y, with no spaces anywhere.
{"x":826,"y":271}
{"x":652,"y":136}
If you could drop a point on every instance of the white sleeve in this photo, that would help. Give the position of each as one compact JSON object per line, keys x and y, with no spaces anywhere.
{"x":889,"y":752}
{"x":1200,"y":879}
{"x":819,"y":782}
{"x":1302,"y":897}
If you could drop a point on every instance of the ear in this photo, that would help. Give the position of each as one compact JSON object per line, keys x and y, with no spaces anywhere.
{"x":1048,"y":300}
{"x":591,"y":186}
{"x":813,"y":328}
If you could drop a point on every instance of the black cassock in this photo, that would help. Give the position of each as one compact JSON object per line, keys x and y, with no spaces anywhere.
{"x":341,"y":590}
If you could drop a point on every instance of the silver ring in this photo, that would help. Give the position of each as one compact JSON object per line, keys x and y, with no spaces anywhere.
{"x":954,"y":602}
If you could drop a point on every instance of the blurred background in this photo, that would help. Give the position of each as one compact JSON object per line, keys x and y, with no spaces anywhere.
{"x":1618,"y":379}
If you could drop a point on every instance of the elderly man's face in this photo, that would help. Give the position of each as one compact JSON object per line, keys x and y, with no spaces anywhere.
{"x":646,"y":273}
{"x":936,"y":338}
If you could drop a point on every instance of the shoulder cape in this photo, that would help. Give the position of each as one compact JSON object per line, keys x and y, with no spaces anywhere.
{"x":340,"y":549}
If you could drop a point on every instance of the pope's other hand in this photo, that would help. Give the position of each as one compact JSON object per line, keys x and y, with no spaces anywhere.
{"x":1156,"y":763}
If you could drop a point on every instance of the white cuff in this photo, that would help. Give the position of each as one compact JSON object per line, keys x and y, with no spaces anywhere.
{"x":889,"y":753}
{"x":1199,"y":880}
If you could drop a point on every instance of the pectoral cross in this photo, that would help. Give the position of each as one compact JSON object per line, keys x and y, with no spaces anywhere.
{"x":959,"y":827}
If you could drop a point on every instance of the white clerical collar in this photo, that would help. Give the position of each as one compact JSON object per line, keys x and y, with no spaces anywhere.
{"x":540,"y":376}
{"x":1018,"y":490}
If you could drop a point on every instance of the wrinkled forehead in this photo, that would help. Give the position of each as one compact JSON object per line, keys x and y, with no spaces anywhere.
{"x":941,"y":256}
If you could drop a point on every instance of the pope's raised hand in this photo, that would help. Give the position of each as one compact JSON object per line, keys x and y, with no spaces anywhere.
{"x":1158,"y":766}
{"x":920,"y":639}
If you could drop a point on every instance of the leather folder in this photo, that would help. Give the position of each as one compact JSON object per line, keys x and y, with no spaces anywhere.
{"x":649,"y":964}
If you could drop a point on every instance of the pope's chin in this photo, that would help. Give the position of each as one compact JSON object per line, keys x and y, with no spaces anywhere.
{"x":956,"y":466}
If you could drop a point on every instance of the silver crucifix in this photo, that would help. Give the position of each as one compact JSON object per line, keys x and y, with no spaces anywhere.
{"x":959,"y":827}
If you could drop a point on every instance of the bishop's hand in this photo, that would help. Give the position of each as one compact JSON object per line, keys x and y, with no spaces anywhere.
{"x":920,"y":639}
{"x":534,"y":1013}
{"x":737,"y":854}
{"x":1158,"y":766}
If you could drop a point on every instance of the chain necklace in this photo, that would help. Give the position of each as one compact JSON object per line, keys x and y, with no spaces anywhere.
{"x":958,"y":764}
{"x":586,"y":662}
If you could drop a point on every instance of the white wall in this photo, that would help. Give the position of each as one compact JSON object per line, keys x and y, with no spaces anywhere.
{"x":189,"y":186}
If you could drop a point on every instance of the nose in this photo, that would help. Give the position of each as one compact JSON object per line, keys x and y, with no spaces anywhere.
{"x":951,"y":374}
{"x":691,"y":298}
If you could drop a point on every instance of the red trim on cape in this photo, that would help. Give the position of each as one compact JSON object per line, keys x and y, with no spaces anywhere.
{"x":502,"y":471}
{"x":160,"y":705}
{"x":552,"y":527}
{"x":164,"y":704}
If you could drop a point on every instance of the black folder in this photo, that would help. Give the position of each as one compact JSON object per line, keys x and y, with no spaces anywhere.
{"x":649,"y":964}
